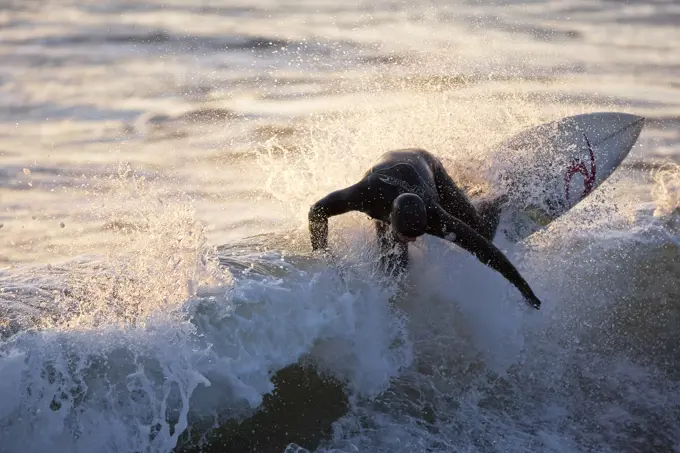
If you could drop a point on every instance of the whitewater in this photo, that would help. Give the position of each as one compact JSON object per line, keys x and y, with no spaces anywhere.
{"x":157,"y":288}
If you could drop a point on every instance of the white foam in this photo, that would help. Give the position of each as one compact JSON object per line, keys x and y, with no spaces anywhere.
{"x":133,"y":388}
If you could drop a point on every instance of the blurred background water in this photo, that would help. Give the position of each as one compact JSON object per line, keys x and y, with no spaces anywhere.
{"x":158,"y":160}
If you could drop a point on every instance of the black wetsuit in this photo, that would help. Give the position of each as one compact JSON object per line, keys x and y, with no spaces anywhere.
{"x":450,"y":215}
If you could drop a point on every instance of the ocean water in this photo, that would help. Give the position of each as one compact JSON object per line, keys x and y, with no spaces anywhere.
{"x":157,"y":291}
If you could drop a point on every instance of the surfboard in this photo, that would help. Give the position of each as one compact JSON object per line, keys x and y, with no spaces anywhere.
{"x":555,"y":165}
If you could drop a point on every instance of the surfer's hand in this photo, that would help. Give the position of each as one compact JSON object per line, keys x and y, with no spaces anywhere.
{"x":533,"y":300}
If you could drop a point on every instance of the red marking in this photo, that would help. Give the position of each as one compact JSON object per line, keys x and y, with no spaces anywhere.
{"x":577,"y":166}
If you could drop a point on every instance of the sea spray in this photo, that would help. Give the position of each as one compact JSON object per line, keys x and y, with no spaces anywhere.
{"x":157,"y":260}
{"x":666,"y":190}
{"x":110,"y":364}
{"x":138,"y":345}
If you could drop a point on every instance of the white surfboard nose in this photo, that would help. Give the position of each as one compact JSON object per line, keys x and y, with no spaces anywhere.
{"x":628,"y":120}
{"x":637,"y":123}
{"x":605,"y":125}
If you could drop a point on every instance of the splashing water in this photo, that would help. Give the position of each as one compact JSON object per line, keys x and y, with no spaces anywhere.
{"x":462,"y":127}
{"x":160,"y":258}
{"x":485,"y":377}
{"x":666,"y":190}
{"x":109,"y":364}
{"x":130,"y":349}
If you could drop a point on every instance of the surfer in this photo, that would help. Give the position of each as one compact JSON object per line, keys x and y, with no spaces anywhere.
{"x":408,"y":193}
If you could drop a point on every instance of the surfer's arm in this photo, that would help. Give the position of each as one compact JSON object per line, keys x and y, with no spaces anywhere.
{"x":450,"y":228}
{"x":335,"y":203}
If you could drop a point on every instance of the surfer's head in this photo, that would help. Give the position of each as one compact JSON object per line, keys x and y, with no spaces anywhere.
{"x":409,"y":217}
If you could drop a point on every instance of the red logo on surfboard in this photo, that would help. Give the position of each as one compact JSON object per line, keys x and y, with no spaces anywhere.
{"x":577,"y":166}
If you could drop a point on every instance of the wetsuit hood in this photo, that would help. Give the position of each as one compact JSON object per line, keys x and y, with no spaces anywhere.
{"x":409,"y":216}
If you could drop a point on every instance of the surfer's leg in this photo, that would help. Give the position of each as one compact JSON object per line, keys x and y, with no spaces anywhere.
{"x":393,"y":254}
{"x":456,"y":203}
{"x":490,"y":213}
